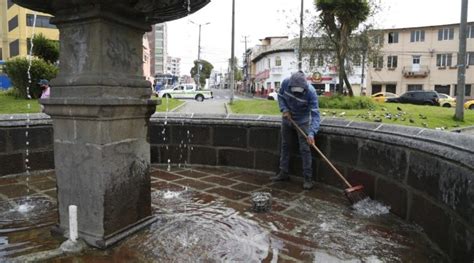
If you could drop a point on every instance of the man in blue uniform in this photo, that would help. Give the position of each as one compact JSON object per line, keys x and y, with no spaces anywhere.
{"x":298,"y":100}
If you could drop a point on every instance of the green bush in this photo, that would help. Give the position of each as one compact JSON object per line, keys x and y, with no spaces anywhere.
{"x":346,"y":102}
{"x":46,"y":49}
{"x":17,"y":71}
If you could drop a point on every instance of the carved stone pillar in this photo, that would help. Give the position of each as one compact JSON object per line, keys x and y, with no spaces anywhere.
{"x":100,"y":109}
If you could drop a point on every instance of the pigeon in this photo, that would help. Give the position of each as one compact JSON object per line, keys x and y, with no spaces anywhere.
{"x":456,"y":125}
{"x":402,"y":119}
{"x":377,"y":119}
{"x":324,"y":113}
{"x":423,"y":117}
{"x":411,"y":120}
{"x":424,"y":124}
{"x":399,"y":109}
{"x":384,"y":109}
{"x":342,"y":113}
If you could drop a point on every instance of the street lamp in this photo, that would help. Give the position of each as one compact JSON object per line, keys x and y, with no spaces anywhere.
{"x":198,"y":82}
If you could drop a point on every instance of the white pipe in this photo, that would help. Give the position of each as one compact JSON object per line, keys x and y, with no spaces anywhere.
{"x":73,"y":223}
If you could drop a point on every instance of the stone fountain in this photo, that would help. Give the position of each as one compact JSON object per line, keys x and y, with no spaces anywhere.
{"x":100,"y":109}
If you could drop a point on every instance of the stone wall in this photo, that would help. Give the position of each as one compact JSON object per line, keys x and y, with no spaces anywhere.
{"x":13,"y":143}
{"x":426,"y":176}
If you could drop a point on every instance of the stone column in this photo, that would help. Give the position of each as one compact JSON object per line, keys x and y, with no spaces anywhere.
{"x":100,"y":108}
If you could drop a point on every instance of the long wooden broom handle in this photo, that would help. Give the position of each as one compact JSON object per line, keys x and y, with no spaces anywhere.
{"x":321,"y":153}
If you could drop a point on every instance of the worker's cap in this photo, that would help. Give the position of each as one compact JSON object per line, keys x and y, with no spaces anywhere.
{"x":43,"y":82}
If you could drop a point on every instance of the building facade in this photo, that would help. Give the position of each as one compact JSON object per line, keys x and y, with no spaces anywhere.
{"x":16,"y":29}
{"x":421,"y":58}
{"x":277,"y":58}
{"x":173,"y":66}
{"x":159,"y":47}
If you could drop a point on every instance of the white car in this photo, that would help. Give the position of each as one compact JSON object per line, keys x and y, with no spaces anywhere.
{"x":272,"y":96}
{"x":186,"y":91}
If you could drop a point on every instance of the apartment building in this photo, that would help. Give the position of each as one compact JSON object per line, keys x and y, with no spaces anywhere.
{"x":159,"y":48}
{"x":16,"y":29}
{"x":173,"y":66}
{"x":421,"y":58}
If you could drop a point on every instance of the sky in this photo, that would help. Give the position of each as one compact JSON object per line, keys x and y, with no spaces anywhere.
{"x":257,"y":19}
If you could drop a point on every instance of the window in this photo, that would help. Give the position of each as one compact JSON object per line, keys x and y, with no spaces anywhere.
{"x":311,"y":61}
{"x":378,"y":39}
{"x":320,"y":60}
{"x":378,"y":62}
{"x":446,"y":33}
{"x":444,"y":60}
{"x":391,"y":88}
{"x":356,"y":60}
{"x":10,"y":3}
{"x":1,"y":54}
{"x":277,"y":85}
{"x":411,"y":87}
{"x":392,"y":61}
{"x":392,"y":37}
{"x":467,"y":90}
{"x":41,"y":21}
{"x":269,"y":63}
{"x":376,"y":88}
{"x":15,"y":48}
{"x":444,"y":89}
{"x":277,"y":61}
{"x":417,"y":36}
{"x":13,"y":23}
{"x":470,"y":58}
{"x":470,"y":31}
{"x":416,"y":59}
{"x":159,"y":35}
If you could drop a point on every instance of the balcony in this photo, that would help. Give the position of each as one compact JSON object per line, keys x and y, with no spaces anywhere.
{"x":277,"y":70}
{"x":415,"y":71}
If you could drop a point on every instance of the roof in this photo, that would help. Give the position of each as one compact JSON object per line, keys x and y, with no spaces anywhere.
{"x":428,"y":26}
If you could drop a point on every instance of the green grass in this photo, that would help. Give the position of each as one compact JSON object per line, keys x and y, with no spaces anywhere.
{"x":9,"y":105}
{"x":168,"y":104}
{"x":436,"y":117}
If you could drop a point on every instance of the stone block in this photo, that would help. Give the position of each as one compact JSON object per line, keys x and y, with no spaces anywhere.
{"x":173,"y":153}
{"x":264,"y":139}
{"x":41,"y":160}
{"x":267,"y":161}
{"x":434,"y":220}
{"x":367,"y":180}
{"x":203,"y":155}
{"x":159,"y":134}
{"x":447,"y":182}
{"x":393,"y":195}
{"x":384,"y":159}
{"x":11,"y":164}
{"x":38,"y":137}
{"x":3,"y":140}
{"x":191,"y":135}
{"x":343,"y":149}
{"x":462,"y":249}
{"x":230,"y":136}
{"x":236,"y":158}
{"x":155,"y":154}
{"x":327,"y":175}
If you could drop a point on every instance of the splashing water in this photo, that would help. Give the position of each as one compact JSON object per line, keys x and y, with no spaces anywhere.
{"x":369,"y":207}
{"x":169,"y":165}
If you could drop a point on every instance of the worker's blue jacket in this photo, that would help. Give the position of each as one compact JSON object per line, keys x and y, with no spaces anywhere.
{"x":303,"y":106}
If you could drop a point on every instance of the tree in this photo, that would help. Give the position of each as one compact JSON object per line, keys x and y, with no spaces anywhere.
{"x":338,"y":20}
{"x":17,"y":70}
{"x":206,"y":69}
{"x":46,"y":49}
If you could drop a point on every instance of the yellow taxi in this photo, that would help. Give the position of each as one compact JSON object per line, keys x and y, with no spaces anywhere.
{"x":446,"y":101}
{"x":382,"y":96}
{"x":469,"y":105}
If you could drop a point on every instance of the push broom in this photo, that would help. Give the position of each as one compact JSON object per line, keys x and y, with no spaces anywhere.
{"x":353,"y":193}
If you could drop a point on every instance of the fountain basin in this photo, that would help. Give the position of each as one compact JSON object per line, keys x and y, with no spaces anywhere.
{"x":425,"y":176}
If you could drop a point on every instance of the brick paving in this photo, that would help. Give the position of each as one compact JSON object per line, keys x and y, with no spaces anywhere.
{"x":231,"y":187}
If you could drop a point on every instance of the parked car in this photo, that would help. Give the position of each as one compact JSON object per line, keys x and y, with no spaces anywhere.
{"x":420,"y":97}
{"x":383,"y":96}
{"x":446,"y":101}
{"x":469,"y":105}
{"x":186,"y":91}
{"x":272,"y":96}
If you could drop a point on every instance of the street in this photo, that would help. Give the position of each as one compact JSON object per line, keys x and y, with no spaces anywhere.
{"x":214,"y":106}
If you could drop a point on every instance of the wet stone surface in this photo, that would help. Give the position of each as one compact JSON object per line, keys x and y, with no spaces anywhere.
{"x":205,"y":215}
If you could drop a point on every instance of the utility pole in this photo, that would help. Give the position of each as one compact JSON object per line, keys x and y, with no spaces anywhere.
{"x":232,"y":58}
{"x":461,"y":64}
{"x":300,"y":50}
{"x":198,"y":75}
{"x":246,"y":64}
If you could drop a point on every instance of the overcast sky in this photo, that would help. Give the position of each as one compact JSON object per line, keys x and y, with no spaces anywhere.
{"x":257,"y":19}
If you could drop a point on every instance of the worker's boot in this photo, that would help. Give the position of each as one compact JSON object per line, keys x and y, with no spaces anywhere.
{"x":281,"y":176}
{"x":308,"y":184}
